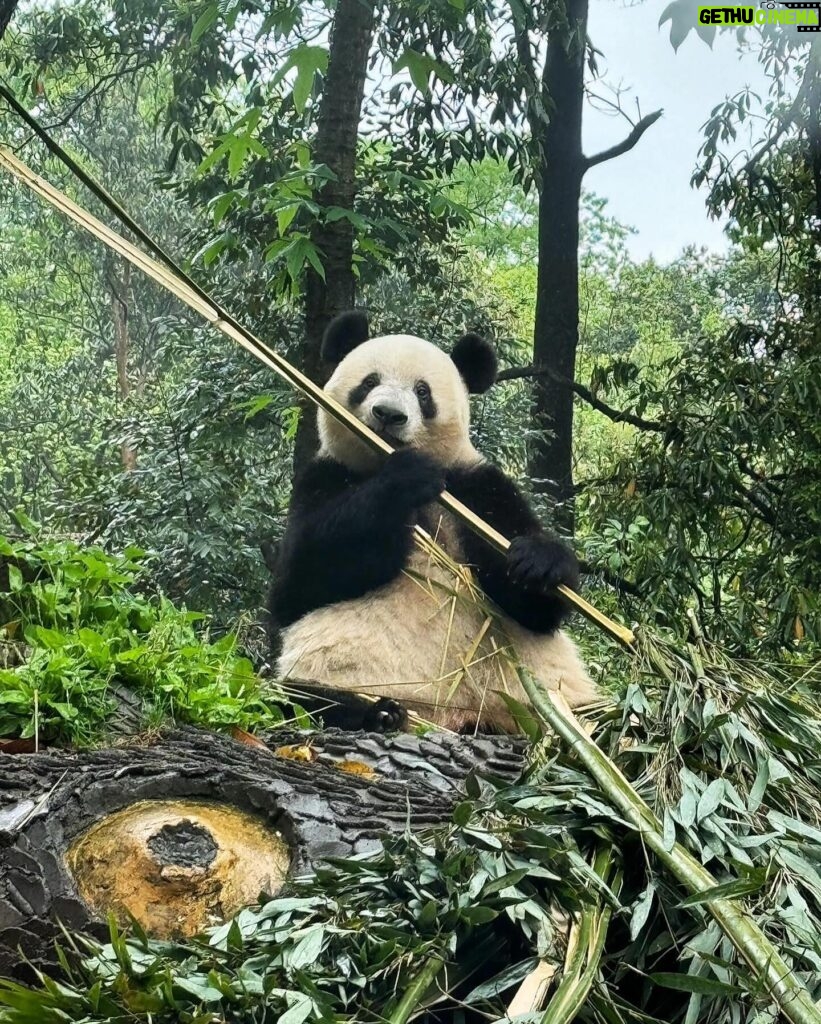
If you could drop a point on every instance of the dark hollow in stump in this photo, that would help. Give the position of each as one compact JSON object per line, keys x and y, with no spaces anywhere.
{"x":177,"y":866}
{"x":166,"y":818}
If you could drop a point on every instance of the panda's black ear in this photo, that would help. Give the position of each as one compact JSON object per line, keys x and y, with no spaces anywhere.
{"x":343,"y":334}
{"x":476,"y":361}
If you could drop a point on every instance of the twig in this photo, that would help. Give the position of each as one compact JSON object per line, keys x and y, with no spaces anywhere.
{"x":626,"y":144}
{"x":616,"y":415}
{"x":41,"y":804}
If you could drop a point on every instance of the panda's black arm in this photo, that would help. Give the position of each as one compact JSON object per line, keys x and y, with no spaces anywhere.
{"x":522,"y":583}
{"x":346,"y":534}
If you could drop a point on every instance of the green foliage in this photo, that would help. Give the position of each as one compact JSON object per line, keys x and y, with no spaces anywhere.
{"x":347,"y":941}
{"x":723,"y":504}
{"x":82,"y":627}
{"x":708,"y":496}
{"x":150,"y":442}
{"x":727,"y":488}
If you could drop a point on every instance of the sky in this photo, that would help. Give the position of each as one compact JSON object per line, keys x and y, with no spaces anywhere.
{"x":649,"y":187}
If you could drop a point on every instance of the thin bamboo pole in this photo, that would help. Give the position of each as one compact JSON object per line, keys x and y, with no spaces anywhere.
{"x":172,"y":279}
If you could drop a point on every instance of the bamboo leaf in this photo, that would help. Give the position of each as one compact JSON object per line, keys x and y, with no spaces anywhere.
{"x":505,"y":979}
{"x":727,"y":890}
{"x":694,"y":983}
{"x":641,"y":911}
{"x":511,"y":878}
{"x":710,"y":799}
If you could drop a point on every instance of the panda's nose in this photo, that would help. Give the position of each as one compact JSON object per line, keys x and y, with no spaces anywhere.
{"x":389,"y":415}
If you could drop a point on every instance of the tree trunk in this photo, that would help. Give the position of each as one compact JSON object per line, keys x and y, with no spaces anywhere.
{"x":336,"y":143}
{"x":814,"y":160}
{"x":556,"y":333}
{"x":60,"y":813}
{"x":7,"y":8}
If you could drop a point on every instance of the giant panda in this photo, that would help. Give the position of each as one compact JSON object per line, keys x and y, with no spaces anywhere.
{"x":359,"y":608}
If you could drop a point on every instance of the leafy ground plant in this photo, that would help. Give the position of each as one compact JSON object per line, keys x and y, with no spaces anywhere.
{"x":76,"y":628}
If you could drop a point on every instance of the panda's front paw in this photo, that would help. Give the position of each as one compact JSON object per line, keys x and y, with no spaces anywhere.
{"x":542,"y":563}
{"x":386,"y":715}
{"x":413,"y":478}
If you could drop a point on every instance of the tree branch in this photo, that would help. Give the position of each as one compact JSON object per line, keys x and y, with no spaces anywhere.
{"x":626,"y":144}
{"x":6,"y":10}
{"x":613,"y":579}
{"x":616,"y":415}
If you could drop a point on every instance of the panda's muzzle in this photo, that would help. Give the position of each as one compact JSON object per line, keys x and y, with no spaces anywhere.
{"x":389,"y":415}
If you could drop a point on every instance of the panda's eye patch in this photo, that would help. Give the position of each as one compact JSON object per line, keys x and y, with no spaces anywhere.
{"x":426,"y":403}
{"x":358,"y":394}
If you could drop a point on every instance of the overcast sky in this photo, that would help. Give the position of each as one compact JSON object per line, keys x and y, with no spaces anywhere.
{"x":649,"y":188}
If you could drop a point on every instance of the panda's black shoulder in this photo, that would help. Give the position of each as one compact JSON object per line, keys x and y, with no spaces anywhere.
{"x":483,"y":478}
{"x":492,"y":494}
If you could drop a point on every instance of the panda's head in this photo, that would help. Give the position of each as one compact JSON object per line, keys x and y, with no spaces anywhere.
{"x":406,"y":389}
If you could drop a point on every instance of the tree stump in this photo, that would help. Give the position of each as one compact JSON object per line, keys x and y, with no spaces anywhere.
{"x":183,"y":831}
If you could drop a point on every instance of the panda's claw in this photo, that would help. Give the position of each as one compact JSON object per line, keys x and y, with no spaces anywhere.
{"x":539,"y":562}
{"x":386,"y":715}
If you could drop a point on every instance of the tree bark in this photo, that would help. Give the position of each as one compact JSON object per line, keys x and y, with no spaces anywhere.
{"x":7,"y":8}
{"x":48,"y":800}
{"x":336,"y":143}
{"x":813,"y":74}
{"x":556,"y":332}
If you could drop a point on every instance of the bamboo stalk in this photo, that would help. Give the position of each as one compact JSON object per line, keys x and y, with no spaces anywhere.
{"x":175,"y":281}
{"x":583,"y":965}
{"x":771,"y":970}
{"x":415,"y":991}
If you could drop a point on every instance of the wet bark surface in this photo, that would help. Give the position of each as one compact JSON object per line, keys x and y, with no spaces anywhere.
{"x":48,"y":799}
{"x":7,"y":8}
{"x":337,"y":136}
{"x":556,"y":334}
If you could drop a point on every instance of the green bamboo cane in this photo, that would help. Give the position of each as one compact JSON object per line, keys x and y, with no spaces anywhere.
{"x":765,"y":961}
{"x":582,"y":967}
{"x":415,"y":991}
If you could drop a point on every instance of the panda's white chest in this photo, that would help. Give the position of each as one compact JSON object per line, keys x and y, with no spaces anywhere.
{"x":428,"y":640}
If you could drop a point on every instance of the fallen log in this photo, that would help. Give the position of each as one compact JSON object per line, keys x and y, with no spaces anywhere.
{"x":124,"y":826}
